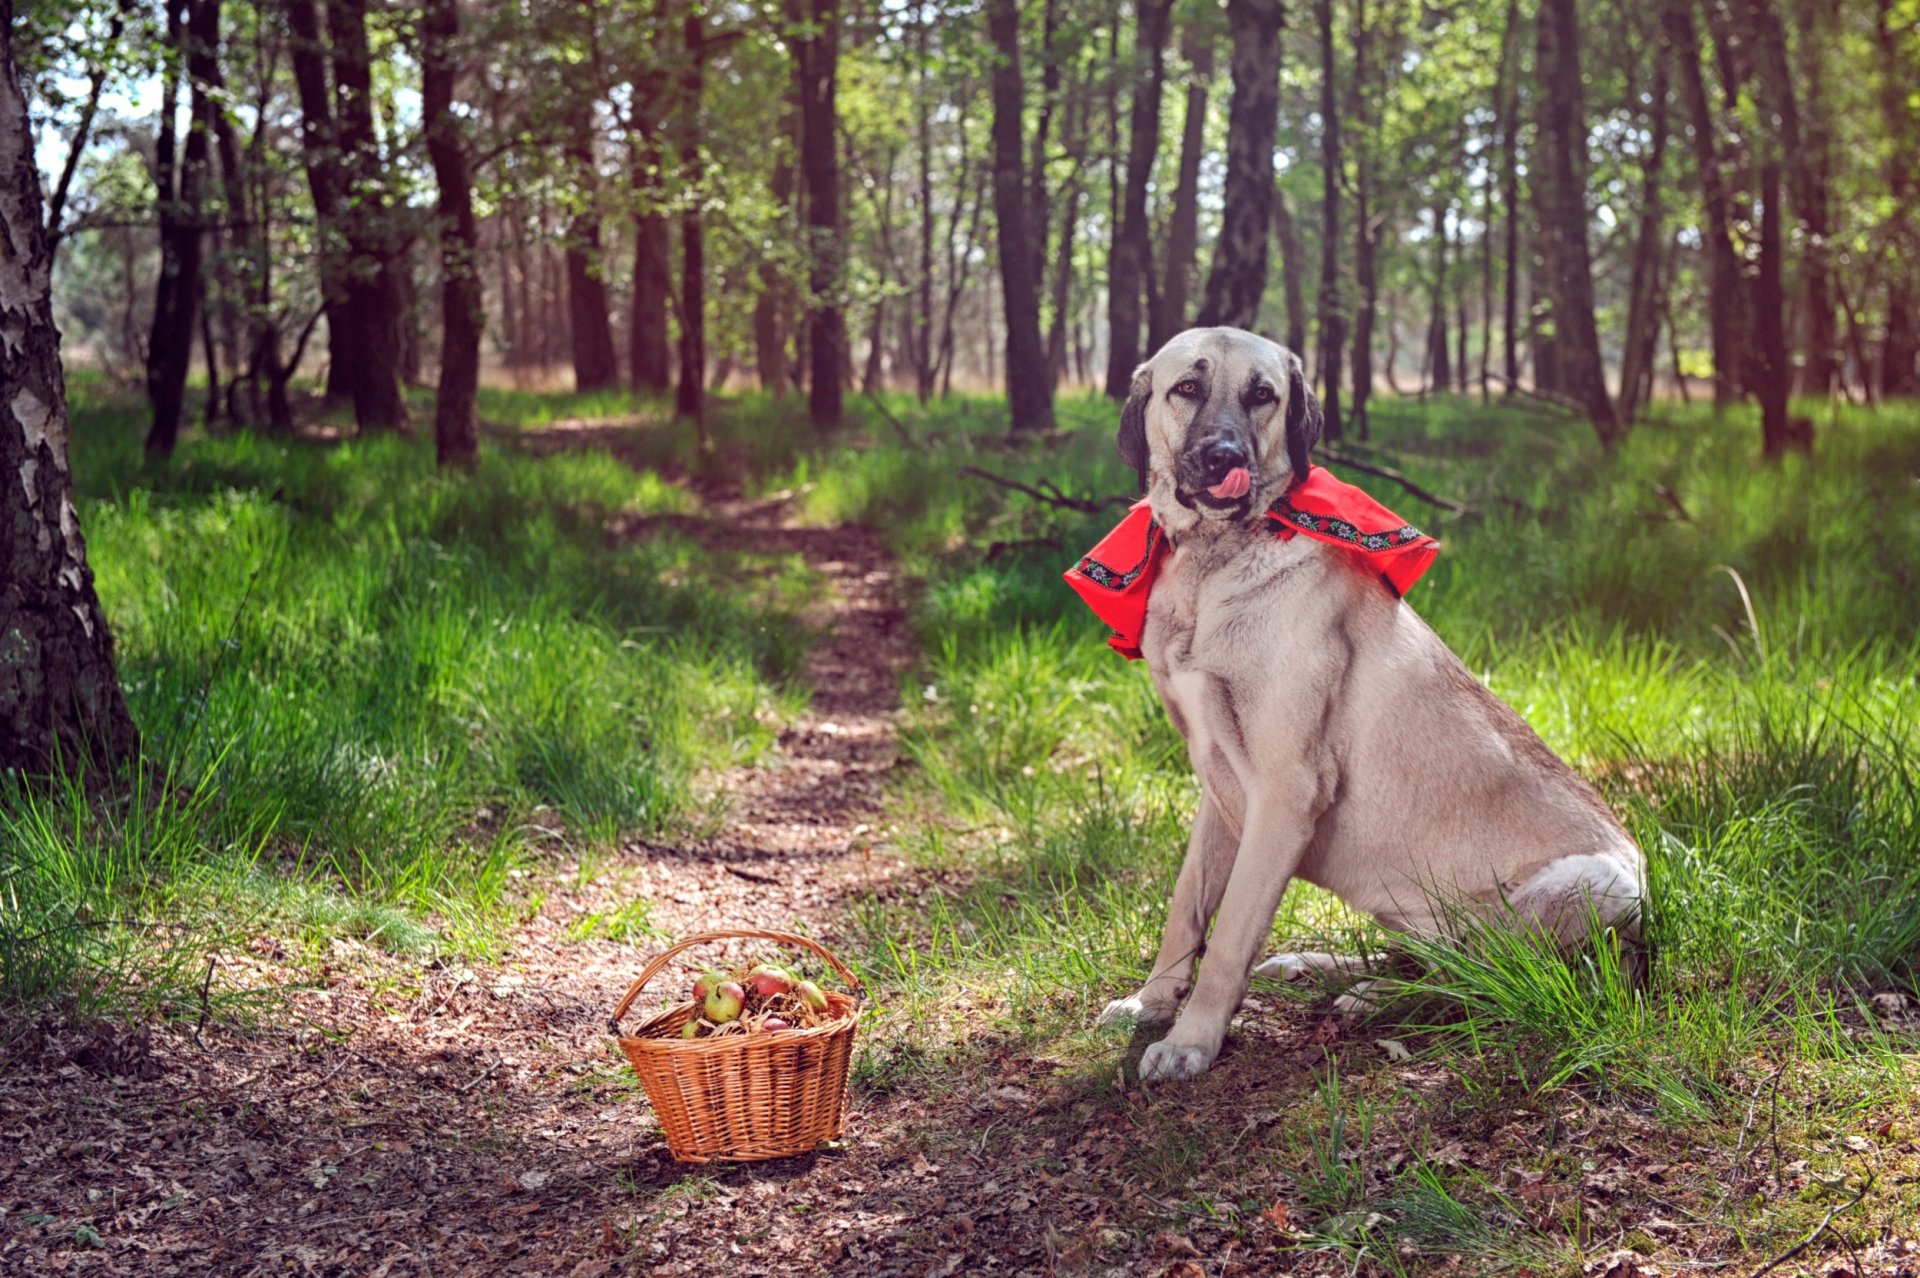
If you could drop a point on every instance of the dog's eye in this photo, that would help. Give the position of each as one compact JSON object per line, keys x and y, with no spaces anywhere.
{"x":1263,"y":394}
{"x":1190,"y":389}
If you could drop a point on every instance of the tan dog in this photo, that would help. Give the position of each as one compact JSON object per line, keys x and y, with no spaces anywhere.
{"x":1336,"y":737}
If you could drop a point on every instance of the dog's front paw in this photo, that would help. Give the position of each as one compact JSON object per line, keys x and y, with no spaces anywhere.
{"x":1174,"y":1061}
{"x":1136,"y":1009}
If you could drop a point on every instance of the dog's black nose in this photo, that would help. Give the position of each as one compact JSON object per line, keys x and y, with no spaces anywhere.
{"x":1222,"y":455}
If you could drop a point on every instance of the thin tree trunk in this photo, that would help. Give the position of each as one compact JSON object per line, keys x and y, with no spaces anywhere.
{"x":1029,"y":392}
{"x":1239,"y":274}
{"x":1900,"y":340}
{"x":1772,"y":376}
{"x":194,"y":37}
{"x":1510,"y":193}
{"x":1644,"y":291}
{"x":773,"y":307}
{"x":374,"y":338}
{"x":690,"y":399}
{"x":817,"y":65}
{"x":1332,"y":322}
{"x":595,"y":366}
{"x":1183,"y":227}
{"x":61,"y":708}
{"x":649,"y":363}
{"x":1811,"y":179}
{"x":1074,"y":142}
{"x":1132,"y":256}
{"x":1726,"y":310}
{"x":456,"y":435}
{"x":1565,"y":170}
{"x":1438,"y":361}
{"x":1293,"y":274}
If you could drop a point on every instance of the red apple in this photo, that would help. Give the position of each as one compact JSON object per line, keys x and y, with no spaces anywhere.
{"x":724,"y":1001}
{"x":765,"y":982}
{"x":704,"y":983}
{"x":772,"y":1025}
{"x":812,"y":995}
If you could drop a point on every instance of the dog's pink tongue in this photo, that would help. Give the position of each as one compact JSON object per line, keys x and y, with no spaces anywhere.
{"x":1237,"y":484}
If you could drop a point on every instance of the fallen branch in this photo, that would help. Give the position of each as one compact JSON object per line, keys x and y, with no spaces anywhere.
{"x":1550,"y":398}
{"x":1368,"y":468}
{"x":1818,"y":1229}
{"x":1050,"y":493}
{"x":899,"y":427}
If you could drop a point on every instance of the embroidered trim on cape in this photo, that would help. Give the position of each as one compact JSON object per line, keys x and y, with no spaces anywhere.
{"x":1112,"y":578}
{"x":1330,"y":526}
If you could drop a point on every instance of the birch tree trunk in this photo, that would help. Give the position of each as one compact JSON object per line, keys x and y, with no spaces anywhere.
{"x":60,"y":701}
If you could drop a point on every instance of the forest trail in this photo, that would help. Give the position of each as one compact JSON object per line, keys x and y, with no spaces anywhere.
{"x":409,"y":1116}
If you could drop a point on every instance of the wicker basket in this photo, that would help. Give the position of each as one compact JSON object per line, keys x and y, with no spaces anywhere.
{"x":742,"y":1097}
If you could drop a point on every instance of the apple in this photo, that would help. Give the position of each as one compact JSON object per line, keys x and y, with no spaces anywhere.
{"x":812,"y":995}
{"x":772,"y":1025}
{"x":765,"y":982}
{"x":724,"y":1001}
{"x":705,"y":982}
{"x":690,"y":1030}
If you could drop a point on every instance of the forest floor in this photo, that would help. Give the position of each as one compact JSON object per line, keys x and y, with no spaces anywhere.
{"x":393,"y":1113}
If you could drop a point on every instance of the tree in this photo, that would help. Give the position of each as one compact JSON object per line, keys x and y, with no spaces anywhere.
{"x":1645,"y":290}
{"x":1332,"y":322}
{"x":816,"y":64}
{"x":60,"y":699}
{"x":690,"y":391}
{"x":1726,"y":309}
{"x":1183,"y":227}
{"x":1131,"y":260}
{"x":595,"y":367}
{"x":1239,"y":274}
{"x":1900,"y":342}
{"x":1029,"y":388}
{"x":455,"y":430}
{"x":648,"y":362}
{"x":1564,"y":143}
{"x":193,"y":37}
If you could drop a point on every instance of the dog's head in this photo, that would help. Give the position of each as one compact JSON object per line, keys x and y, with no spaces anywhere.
{"x":1217,"y":424}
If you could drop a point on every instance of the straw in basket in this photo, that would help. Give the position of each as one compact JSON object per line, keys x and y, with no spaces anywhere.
{"x":742,"y":1097}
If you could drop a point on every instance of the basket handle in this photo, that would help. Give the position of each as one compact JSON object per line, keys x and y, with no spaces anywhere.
{"x":654,"y":968}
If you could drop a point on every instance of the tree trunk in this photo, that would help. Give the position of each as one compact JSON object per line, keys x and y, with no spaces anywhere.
{"x":1645,"y":301}
{"x":1365,"y":230}
{"x":1332,"y":322}
{"x":1772,"y":375}
{"x":595,"y":366}
{"x":373,"y":337}
{"x":1900,"y":342}
{"x":1029,"y":391}
{"x":1726,"y":309}
{"x":1239,"y":274}
{"x":921,"y":345}
{"x":61,"y":709}
{"x":456,"y":435}
{"x":1074,"y":141}
{"x":1439,"y":365}
{"x":817,"y":65}
{"x":772,"y":308}
{"x":1565,"y":170}
{"x":1131,"y":259}
{"x":690,"y":398}
{"x":1293,"y":274}
{"x":1510,"y":193}
{"x":1810,"y":179}
{"x":1183,"y":227}
{"x":193,"y":29}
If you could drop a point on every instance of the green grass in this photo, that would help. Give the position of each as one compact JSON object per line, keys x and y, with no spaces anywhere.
{"x":385,"y":685}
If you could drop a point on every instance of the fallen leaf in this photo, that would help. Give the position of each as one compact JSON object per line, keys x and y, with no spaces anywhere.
{"x":1278,"y":1215}
{"x":1395,"y":1049}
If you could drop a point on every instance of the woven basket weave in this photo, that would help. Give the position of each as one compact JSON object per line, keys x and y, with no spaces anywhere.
{"x":742,"y":1097}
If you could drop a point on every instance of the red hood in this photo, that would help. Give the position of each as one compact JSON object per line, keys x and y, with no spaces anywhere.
{"x":1116,"y":576}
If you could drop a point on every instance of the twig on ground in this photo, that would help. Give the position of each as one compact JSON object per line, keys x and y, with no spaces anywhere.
{"x":1052,"y":495}
{"x":749,"y":875}
{"x":1818,"y":1229}
{"x":899,"y":427}
{"x":485,"y":1074}
{"x":1368,"y":468}
{"x":1672,"y":499}
{"x":1551,"y":399}
{"x":206,"y":984}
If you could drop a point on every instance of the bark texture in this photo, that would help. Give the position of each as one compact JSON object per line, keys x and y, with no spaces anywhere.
{"x":456,"y":437}
{"x":1029,"y":388}
{"x":1132,"y":256}
{"x":193,"y":31}
{"x":60,"y":700}
{"x":595,"y":366}
{"x":1333,"y":322}
{"x":1565,"y":164}
{"x":1183,"y":226}
{"x":817,"y":66}
{"x":1239,"y":275}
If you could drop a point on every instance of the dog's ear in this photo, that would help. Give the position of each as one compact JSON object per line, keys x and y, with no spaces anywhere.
{"x":1303,"y":417}
{"x":1133,"y":423}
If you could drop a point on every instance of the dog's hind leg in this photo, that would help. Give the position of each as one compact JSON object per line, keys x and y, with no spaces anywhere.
{"x":1196,"y":895}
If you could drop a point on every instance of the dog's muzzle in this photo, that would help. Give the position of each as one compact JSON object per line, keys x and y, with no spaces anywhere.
{"x":1215,"y":475}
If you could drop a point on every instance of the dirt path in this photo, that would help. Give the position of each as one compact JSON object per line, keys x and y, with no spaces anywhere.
{"x":447,"y":1119}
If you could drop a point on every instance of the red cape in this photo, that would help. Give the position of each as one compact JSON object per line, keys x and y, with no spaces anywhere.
{"x":1116,"y":576}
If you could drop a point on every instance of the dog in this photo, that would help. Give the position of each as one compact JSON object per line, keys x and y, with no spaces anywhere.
{"x":1336,"y":738}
